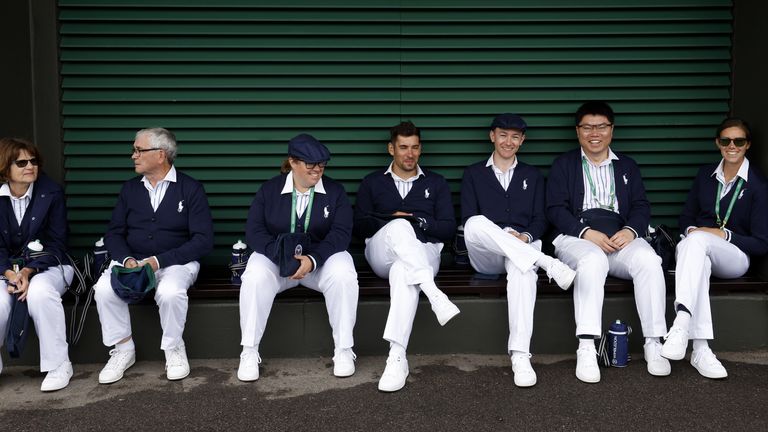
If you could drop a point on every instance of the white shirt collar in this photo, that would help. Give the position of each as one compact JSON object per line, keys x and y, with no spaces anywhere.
{"x":743,"y":171}
{"x":495,"y":168}
{"x":611,"y":157}
{"x":170,"y":176}
{"x":5,"y":190}
{"x":389,"y":171}
{"x":288,"y":186}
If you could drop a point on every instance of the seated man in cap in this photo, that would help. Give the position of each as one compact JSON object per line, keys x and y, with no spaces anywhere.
{"x":405,"y":215}
{"x":299,"y":227}
{"x":161,"y":219}
{"x":502,"y":207}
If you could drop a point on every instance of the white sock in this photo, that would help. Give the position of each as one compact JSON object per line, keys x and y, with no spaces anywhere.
{"x":649,"y":340}
{"x":396,"y":349}
{"x":126,"y":346}
{"x":699,"y":344}
{"x":545,"y":261}
{"x":588,"y":343}
{"x":682,"y":320}
{"x":518,"y":353}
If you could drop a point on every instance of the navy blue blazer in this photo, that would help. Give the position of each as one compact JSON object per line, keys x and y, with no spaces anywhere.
{"x":565,"y":194}
{"x":330,"y":220}
{"x":45,"y":219}
{"x":180,"y":231}
{"x":749,"y":218}
{"x":429,"y":199}
{"x":521,"y":206}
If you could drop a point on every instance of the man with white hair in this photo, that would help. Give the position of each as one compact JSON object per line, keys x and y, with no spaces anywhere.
{"x":161,"y":219}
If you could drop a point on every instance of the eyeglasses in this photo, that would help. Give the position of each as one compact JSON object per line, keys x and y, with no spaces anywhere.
{"x":141,"y":150}
{"x":738,"y":142}
{"x":21,"y":163}
{"x":314,"y":165}
{"x":602,"y":127}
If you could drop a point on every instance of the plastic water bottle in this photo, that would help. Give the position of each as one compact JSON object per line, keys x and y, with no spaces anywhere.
{"x":32,"y":247}
{"x":238,"y":260}
{"x":618,"y":343}
{"x":99,"y":256}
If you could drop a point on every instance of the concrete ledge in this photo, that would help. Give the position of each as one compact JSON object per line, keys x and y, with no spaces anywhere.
{"x":299,"y":328}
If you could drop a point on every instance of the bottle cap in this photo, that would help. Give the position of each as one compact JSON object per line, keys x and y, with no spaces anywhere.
{"x":35,"y":246}
{"x":239,"y":245}
{"x":99,"y":242}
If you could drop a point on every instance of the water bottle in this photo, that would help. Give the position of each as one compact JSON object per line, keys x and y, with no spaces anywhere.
{"x":618,"y":343}
{"x":99,"y":256}
{"x":460,"y":255}
{"x":238,"y":261}
{"x":32,"y":247}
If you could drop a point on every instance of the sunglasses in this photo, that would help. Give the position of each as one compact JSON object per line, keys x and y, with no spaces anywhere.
{"x":738,"y":142}
{"x":21,"y":163}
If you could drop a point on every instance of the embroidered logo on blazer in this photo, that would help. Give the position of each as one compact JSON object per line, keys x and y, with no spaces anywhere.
{"x":426,"y":193}
{"x":525,"y":184}
{"x":181,"y":206}
{"x":741,"y":194}
{"x":326,"y":212}
{"x":624,"y":177}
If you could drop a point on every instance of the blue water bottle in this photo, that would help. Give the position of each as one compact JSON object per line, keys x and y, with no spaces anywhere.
{"x":238,"y":261}
{"x":618,"y":343}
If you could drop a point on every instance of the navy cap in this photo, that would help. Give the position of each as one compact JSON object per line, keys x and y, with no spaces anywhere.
{"x":308,"y":148}
{"x":133,"y":284}
{"x":509,"y":121}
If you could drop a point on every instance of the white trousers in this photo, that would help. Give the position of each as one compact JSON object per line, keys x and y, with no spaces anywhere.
{"x":170,"y":296}
{"x":491,"y":250}
{"x":47,"y":313}
{"x":637,"y":261}
{"x":700,"y":255}
{"x":396,"y":254}
{"x":336,"y":279}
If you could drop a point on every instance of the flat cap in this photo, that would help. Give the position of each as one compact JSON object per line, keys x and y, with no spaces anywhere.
{"x":509,"y":121}
{"x":308,"y":148}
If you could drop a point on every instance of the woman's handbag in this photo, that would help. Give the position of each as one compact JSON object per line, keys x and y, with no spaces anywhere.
{"x":289,"y":245}
{"x":606,"y":221}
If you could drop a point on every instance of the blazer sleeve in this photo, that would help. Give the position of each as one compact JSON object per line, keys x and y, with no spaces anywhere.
{"x":640,"y":209}
{"x":257,"y":236}
{"x":757,"y":242}
{"x":559,"y":200}
{"x":53,"y":234}
{"x":441,"y":225}
{"x":538,"y":225}
{"x":200,"y":241}
{"x":692,"y":206}
{"x":117,"y":230}
{"x":364,"y":225}
{"x":469,"y":205}
{"x":340,"y":234}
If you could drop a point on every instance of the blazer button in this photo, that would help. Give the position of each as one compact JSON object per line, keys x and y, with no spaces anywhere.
{"x":506,"y":196}
{"x":149,"y":236}
{"x":153,"y":219}
{"x":507,"y":210}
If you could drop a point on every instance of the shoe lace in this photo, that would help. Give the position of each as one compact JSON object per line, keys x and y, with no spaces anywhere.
{"x":343,"y":351}
{"x":517,"y":358}
{"x":674,"y":332}
{"x":174,"y":357}
{"x":60,"y":371}
{"x":116,"y":357}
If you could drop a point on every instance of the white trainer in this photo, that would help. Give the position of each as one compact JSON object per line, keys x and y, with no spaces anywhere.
{"x":444,"y":309}
{"x":707,"y":364}
{"x":587,"y":369}
{"x":58,"y":378}
{"x":675,"y":343}
{"x":344,"y":363}
{"x":249,"y":365}
{"x":657,"y":365}
{"x":119,"y":362}
{"x":176,"y":363}
{"x":561,"y":273}
{"x":523,"y":371}
{"x":395,"y":374}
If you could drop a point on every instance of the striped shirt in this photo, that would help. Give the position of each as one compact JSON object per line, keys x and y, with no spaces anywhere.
{"x":302,"y":198}
{"x":157,"y":193}
{"x":602,"y":180}
{"x":404,"y":185}
{"x":19,"y":204}
{"x":503,"y":177}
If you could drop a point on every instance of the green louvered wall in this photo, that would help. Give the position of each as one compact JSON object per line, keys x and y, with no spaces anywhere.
{"x":236,"y":79}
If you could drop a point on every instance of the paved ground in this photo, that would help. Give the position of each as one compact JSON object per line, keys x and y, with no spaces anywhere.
{"x":446,"y":393}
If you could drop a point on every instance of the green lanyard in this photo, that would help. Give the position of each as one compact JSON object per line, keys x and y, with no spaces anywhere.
{"x":722,"y":223}
{"x":594,"y":190}
{"x":306,"y":212}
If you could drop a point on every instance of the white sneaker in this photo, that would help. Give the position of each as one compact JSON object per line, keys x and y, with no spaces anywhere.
{"x":249,"y":366}
{"x":1,"y":365}
{"x":675,"y":343}
{"x":176,"y":363}
{"x":707,"y":364}
{"x":344,"y":363}
{"x":587,"y":369}
{"x":444,"y":309}
{"x":119,"y":362}
{"x":657,"y":365}
{"x":561,"y":273}
{"x":58,"y":378}
{"x":521,"y":367}
{"x":395,"y":374}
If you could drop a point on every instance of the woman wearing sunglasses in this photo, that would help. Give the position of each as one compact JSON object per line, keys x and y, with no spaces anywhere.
{"x":32,"y":208}
{"x":725,"y":224}
{"x":299,"y":227}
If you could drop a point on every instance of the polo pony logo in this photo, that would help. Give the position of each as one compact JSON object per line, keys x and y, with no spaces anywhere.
{"x":181,"y":206}
{"x":326,"y":212}
{"x":741,"y":194}
{"x":426,"y":193}
{"x":624,"y":177}
{"x":525,"y":184}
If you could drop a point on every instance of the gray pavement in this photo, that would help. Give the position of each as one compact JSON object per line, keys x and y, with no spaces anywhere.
{"x":444,"y":392}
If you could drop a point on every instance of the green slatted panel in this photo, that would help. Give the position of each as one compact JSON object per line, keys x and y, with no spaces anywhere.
{"x":236,"y":78}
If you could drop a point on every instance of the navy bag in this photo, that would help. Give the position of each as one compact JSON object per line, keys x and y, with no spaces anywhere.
{"x":18,"y":326}
{"x":133,"y":284}
{"x":606,"y":221}
{"x":288,"y":245}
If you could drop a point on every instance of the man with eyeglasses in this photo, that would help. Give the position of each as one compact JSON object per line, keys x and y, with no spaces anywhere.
{"x":405,"y":214}
{"x":161,"y":219}
{"x":597,"y":203}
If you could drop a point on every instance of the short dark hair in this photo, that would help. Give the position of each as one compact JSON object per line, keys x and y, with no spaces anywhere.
{"x":404,"y":129}
{"x":594,"y":108}
{"x":10,"y":149}
{"x":734,"y":122}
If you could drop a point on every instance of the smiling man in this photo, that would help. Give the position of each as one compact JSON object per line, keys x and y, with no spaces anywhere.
{"x":405,"y":214}
{"x":502,"y":208}
{"x":596,"y":201}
